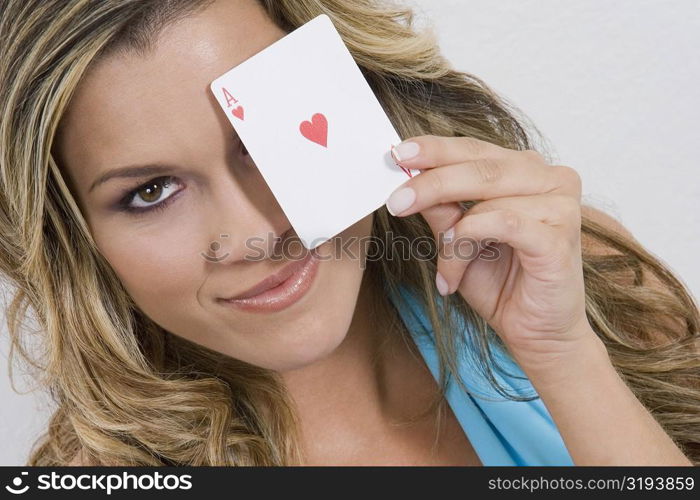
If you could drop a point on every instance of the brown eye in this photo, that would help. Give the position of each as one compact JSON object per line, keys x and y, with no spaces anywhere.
{"x":152,"y":191}
{"x":154,"y":194}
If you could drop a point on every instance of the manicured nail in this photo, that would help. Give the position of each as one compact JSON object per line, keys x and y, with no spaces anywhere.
{"x":406,"y":150}
{"x":449,"y":234}
{"x":441,"y":284}
{"x":400,"y":200}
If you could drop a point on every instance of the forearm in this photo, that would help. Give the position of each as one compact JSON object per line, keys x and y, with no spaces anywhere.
{"x":599,"y":418}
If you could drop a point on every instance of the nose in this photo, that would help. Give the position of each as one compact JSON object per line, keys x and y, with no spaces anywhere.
{"x":244,"y":223}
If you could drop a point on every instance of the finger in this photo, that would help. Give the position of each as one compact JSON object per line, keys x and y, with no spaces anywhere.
{"x":551,"y":208}
{"x":480,"y":180}
{"x":427,"y":151}
{"x":442,"y":217}
{"x":521,"y":231}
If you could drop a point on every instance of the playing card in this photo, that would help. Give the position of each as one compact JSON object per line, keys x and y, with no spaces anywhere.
{"x":315,"y":130}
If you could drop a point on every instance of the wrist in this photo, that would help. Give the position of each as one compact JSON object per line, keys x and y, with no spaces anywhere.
{"x":570,"y":367}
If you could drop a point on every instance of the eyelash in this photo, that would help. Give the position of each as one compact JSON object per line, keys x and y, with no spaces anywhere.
{"x":130,"y":195}
{"x":163,"y":181}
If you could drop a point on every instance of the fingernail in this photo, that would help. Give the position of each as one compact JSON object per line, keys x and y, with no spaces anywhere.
{"x":406,"y":150}
{"x":449,"y":234}
{"x":400,"y":200}
{"x":441,"y":284}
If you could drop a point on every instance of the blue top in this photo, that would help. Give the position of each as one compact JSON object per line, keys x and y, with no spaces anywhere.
{"x":502,"y":431}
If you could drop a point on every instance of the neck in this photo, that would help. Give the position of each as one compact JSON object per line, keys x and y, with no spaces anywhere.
{"x":352,"y":399}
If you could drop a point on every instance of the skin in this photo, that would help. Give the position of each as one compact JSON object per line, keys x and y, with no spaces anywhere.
{"x":533,"y":295}
{"x":122,"y":115}
{"x":349,"y":393}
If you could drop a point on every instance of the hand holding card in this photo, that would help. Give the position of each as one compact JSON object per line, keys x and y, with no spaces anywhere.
{"x":315,"y":130}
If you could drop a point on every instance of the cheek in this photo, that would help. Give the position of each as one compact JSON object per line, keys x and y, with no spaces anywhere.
{"x":163,"y":269}
{"x":158,"y":268}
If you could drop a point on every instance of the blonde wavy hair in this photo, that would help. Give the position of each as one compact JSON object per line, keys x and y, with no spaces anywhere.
{"x":130,"y":393}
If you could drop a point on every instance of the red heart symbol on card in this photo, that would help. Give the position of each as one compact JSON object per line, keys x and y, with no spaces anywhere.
{"x":315,"y":130}
{"x":238,"y":112}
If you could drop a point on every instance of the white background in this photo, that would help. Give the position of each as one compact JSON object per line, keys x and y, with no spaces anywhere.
{"x":613,"y":86}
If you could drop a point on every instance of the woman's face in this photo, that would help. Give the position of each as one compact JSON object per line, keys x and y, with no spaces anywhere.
{"x":134,"y":110}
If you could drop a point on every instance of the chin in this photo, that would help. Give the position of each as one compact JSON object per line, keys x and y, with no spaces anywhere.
{"x":299,"y":344}
{"x":311,"y":330}
{"x":307,"y":354}
{"x":302,"y":335}
{"x":298,"y":336}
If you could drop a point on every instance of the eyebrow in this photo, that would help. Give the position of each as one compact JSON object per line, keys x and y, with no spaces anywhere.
{"x":131,"y":172}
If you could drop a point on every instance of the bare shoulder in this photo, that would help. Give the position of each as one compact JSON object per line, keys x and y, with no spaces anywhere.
{"x":605,"y":220}
{"x":644,"y":277}
{"x":602,"y":218}
{"x":595,"y":247}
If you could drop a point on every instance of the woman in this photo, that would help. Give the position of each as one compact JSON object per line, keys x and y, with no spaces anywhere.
{"x":128,"y":271}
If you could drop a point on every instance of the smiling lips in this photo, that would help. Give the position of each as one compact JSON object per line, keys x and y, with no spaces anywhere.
{"x":278,"y":290}
{"x":272,"y":280}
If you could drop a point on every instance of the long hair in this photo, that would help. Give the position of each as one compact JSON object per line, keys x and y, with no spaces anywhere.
{"x":130,"y":393}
